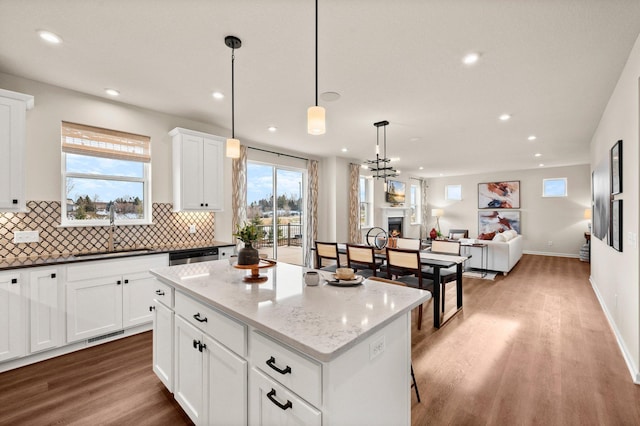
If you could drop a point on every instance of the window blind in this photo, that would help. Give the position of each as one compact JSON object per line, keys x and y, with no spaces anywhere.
{"x":98,"y":142}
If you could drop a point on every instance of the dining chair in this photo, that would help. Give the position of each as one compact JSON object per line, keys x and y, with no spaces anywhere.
{"x":363,"y":260}
{"x":327,"y":251}
{"x":408,"y":243}
{"x":408,"y":262}
{"x":456,"y":234}
{"x":414,"y":384}
{"x":446,"y":275}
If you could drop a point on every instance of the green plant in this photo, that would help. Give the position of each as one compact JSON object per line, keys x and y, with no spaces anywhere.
{"x":247,"y":233}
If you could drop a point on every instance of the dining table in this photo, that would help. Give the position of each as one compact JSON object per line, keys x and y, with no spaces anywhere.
{"x":437,"y":261}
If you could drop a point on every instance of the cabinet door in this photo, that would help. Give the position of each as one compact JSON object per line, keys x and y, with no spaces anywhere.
{"x":163,"y":344}
{"x":137,"y":296}
{"x":12,"y":317}
{"x":45,"y":309}
{"x":212,"y":174}
{"x":188,"y":371}
{"x":272,"y":404}
{"x":226,"y":385}
{"x":191,"y":177}
{"x":12,"y":140}
{"x":94,"y":307}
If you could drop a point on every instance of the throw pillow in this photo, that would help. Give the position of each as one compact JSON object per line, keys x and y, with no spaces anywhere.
{"x":488,"y":236}
{"x":454,"y":236}
{"x":500,"y":237}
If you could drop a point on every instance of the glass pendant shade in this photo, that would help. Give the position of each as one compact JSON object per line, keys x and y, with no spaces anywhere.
{"x":315,"y":120}
{"x":233,"y":148}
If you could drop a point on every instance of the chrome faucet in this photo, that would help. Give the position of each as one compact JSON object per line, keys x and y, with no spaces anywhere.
{"x":112,"y":225}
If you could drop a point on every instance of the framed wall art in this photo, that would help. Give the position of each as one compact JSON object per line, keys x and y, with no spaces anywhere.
{"x":601,"y":200}
{"x":499,"y":195}
{"x":616,"y":168}
{"x":616,"y":225}
{"x":497,"y":221}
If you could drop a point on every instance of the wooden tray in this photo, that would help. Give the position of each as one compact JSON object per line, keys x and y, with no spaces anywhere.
{"x":255,"y":277}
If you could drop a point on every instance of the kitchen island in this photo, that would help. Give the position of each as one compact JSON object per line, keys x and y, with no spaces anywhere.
{"x":280,"y":351}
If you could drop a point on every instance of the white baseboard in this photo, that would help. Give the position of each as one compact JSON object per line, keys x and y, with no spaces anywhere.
{"x":544,"y":253}
{"x":628,"y":359}
{"x":66,"y":349}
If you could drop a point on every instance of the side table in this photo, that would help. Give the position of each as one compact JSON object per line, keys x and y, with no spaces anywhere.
{"x":585,"y":250}
{"x":484,"y":255}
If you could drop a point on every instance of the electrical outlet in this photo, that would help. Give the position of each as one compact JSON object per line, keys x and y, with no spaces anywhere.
{"x":192,"y":229}
{"x":376,"y":348}
{"x":26,"y":237}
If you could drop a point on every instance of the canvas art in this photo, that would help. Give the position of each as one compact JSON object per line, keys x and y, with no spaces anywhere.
{"x":395,"y":192}
{"x":499,"y":195}
{"x":497,"y":221}
{"x":601,"y":203}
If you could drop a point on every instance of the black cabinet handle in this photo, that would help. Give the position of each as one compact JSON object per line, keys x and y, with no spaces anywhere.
{"x":195,"y":343}
{"x":126,"y":281}
{"x":271,"y":395}
{"x":201,"y":204}
{"x":14,"y":281}
{"x":160,"y":292}
{"x":271,"y":362}
{"x":201,"y":346}
{"x":118,"y":282}
{"x":15,"y":201}
{"x":206,"y":204}
{"x":151,"y":308}
{"x":198,"y":318}
{"x":53,"y":275}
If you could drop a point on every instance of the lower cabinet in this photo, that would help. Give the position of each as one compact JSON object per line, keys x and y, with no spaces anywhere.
{"x":46,"y":311}
{"x":210,"y":381}
{"x":12,"y":316}
{"x":163,"y":344}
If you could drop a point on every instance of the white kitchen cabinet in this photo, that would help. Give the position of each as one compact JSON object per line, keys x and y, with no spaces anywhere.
{"x":163,"y":318}
{"x":108,"y":295}
{"x":226,"y":252}
{"x":12,"y":316}
{"x":13,"y":107}
{"x":46,"y":309}
{"x":189,"y":366}
{"x":198,"y":161}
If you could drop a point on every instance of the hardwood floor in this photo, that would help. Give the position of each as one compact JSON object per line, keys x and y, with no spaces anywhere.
{"x":530,"y":348}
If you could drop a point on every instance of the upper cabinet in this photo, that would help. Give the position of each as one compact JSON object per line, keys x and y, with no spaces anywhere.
{"x":197,"y":170}
{"x":13,"y":117}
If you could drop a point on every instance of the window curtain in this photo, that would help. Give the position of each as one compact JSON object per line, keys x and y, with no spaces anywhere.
{"x":355,"y":234}
{"x":424,"y":233}
{"x":312,"y":211}
{"x":239,"y":188}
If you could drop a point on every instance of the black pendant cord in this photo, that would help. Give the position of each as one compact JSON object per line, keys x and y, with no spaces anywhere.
{"x":316,"y":52}
{"x":233,"y":106}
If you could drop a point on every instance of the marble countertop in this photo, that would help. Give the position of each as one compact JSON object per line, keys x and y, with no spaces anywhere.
{"x":321,"y":321}
{"x":53,"y":259}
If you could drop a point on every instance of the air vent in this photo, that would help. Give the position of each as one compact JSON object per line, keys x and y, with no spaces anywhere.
{"x":105,"y":336}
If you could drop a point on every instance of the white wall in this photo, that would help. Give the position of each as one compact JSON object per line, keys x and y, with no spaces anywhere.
{"x":333,"y":199}
{"x":559,"y":220}
{"x":614,"y":275}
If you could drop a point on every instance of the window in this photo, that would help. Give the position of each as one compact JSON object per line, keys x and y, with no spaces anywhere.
{"x":415,"y":203}
{"x":366,"y":202}
{"x":101,"y":167}
{"x":453,"y":192}
{"x":556,"y":187}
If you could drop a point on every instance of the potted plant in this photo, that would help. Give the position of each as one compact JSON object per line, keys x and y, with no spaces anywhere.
{"x":248,"y":234}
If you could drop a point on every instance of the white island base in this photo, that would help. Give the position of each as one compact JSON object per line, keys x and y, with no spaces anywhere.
{"x":281,"y":353}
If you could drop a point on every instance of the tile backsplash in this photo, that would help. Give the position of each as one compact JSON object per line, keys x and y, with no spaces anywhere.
{"x":169,"y":229}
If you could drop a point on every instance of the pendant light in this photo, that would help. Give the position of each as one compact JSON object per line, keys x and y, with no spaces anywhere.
{"x":315,"y":115}
{"x":233,"y":144}
{"x":380,"y":166}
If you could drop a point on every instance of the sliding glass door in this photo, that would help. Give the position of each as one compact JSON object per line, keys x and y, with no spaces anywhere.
{"x":275,"y":204}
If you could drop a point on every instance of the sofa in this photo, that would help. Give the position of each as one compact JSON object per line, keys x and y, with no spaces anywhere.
{"x":504,"y":251}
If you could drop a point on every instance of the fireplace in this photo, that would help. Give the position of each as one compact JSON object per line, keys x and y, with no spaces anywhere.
{"x":395,"y":224}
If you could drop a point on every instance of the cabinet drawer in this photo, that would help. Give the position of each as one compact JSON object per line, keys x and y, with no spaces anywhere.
{"x":227,"y":331}
{"x":295,"y":371}
{"x":163,"y":293}
{"x":273,"y":404}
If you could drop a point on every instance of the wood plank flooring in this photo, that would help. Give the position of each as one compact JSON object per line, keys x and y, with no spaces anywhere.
{"x":530,"y":348}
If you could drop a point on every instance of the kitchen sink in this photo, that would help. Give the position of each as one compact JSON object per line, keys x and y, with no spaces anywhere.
{"x":114,"y":253}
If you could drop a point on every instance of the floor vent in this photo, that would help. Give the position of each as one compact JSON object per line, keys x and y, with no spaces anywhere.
{"x":105,"y":336}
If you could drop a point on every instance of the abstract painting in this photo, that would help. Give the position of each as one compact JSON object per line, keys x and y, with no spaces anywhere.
{"x":495,"y":221}
{"x":601,"y":200}
{"x":499,"y":195}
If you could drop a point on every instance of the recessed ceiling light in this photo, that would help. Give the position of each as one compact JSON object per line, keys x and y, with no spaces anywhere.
{"x":50,"y":37}
{"x":471,"y":58}
{"x":420,"y":168}
{"x":330,"y":96}
{"x":504,"y":117}
{"x":111,"y":92}
{"x":398,"y":171}
{"x":344,"y":150}
{"x":364,"y":166}
{"x":394,"y":159}
{"x":272,"y":128}
{"x":538,"y":154}
{"x":441,"y":174}
{"x":532,"y":138}
{"x":218,"y":95}
{"x":540,"y":165}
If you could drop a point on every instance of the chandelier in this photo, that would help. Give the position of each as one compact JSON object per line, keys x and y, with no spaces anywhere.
{"x":380,"y":167}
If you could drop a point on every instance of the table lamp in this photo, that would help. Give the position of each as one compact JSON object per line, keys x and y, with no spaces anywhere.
{"x":437,"y":213}
{"x":587,"y":215}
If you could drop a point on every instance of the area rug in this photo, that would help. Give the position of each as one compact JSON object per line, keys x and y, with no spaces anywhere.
{"x":478,"y":274}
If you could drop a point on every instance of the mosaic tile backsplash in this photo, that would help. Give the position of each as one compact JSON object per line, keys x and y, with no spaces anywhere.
{"x":169,"y":229}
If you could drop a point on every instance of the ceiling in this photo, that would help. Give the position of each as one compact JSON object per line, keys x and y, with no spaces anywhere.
{"x":551,"y":64}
